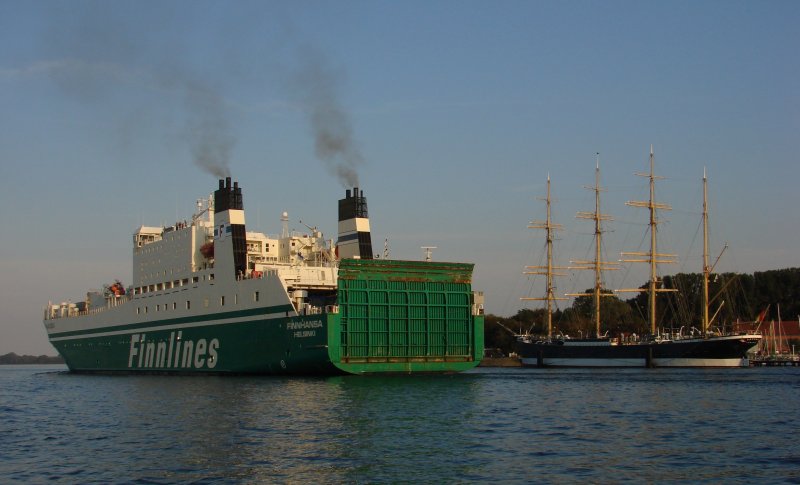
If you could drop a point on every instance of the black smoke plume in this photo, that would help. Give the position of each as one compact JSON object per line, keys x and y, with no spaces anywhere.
{"x":317,"y":85}
{"x":97,"y":58}
{"x":209,"y":135}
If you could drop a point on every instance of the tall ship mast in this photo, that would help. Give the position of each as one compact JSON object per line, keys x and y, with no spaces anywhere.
{"x":548,"y":270}
{"x":209,"y":296}
{"x":707,"y":268}
{"x":657,"y":349}
{"x":597,"y":265}
{"x":653,"y":258}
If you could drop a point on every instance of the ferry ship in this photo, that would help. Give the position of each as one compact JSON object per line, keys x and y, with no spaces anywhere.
{"x":210,"y":297}
{"x":702,"y":347}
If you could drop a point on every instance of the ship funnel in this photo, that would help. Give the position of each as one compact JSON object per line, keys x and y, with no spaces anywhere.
{"x":354,"y":240}
{"x":230,"y":244}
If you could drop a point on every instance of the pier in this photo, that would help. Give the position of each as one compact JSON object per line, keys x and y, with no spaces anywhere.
{"x":774,"y":363}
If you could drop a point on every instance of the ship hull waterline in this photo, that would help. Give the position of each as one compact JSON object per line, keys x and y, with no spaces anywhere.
{"x":726,"y":351}
{"x":265,"y":345}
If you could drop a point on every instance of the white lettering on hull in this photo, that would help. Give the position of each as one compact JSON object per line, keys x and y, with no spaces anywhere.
{"x":158,"y":355}
{"x":294,"y":325}
{"x":304,"y":329}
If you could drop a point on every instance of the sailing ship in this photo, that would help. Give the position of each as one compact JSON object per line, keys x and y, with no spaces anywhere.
{"x":209,"y":297}
{"x":705,"y":348}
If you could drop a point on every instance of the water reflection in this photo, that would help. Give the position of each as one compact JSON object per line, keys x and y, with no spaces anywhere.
{"x":329,"y":430}
{"x":517,"y":425}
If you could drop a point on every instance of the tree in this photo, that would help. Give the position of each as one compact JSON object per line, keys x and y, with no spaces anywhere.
{"x":531,"y":321}
{"x":616,"y":316}
{"x":496,"y":334}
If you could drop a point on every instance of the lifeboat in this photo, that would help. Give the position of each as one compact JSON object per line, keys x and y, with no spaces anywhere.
{"x":117,"y":289}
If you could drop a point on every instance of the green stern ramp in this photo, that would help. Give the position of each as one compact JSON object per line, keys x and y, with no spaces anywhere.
{"x":405,"y":317}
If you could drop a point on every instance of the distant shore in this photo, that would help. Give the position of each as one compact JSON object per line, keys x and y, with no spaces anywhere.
{"x":14,"y":359}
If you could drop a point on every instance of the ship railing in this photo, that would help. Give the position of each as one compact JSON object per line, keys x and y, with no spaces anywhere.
{"x":628,"y":339}
{"x":681,"y":334}
{"x":256,"y":275}
{"x":71,"y":310}
{"x":307,"y":309}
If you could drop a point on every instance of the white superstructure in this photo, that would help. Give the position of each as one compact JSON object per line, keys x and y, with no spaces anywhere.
{"x":192,"y":267}
{"x":173,"y":256}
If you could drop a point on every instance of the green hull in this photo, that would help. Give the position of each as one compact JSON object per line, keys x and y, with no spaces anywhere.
{"x":393,"y":317}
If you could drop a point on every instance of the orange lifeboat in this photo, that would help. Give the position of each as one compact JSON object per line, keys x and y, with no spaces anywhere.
{"x":117,"y":289}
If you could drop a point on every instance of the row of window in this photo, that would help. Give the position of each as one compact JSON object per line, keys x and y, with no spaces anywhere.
{"x":182,"y":269}
{"x":146,"y":239}
{"x":166,"y":306}
{"x":139,"y":290}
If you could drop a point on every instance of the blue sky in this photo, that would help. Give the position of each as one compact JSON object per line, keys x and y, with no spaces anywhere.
{"x":457,"y":111}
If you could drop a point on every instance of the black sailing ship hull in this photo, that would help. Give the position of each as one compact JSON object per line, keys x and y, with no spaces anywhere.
{"x":725,"y":351}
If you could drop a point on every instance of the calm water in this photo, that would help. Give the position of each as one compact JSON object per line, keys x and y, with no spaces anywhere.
{"x":506,"y":425}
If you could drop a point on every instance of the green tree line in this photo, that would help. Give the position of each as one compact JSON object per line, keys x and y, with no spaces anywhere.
{"x":733,"y":298}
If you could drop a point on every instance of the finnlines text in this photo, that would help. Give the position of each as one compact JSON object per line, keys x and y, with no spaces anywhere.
{"x":172,"y":354}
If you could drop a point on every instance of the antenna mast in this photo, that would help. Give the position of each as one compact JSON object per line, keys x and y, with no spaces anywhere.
{"x":284,"y":225}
